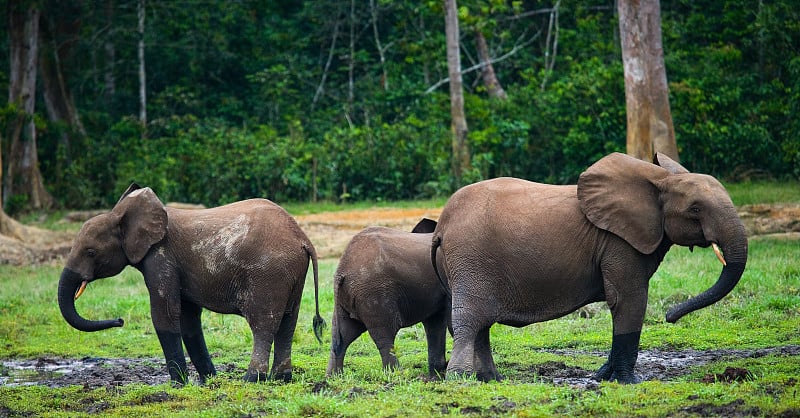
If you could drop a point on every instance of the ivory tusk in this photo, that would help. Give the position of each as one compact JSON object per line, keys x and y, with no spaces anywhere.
{"x":81,"y":289}
{"x":718,"y":253}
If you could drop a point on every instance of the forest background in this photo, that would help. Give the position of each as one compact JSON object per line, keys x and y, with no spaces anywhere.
{"x":347,"y":100}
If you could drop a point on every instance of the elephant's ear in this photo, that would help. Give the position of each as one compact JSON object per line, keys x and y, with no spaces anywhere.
{"x":425,"y":226}
{"x":669,"y":164}
{"x":128,"y":191}
{"x":617,"y":194}
{"x":143,"y":222}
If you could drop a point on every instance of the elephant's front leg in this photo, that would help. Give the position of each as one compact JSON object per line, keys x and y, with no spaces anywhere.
{"x":627,"y":312}
{"x":192,"y":333}
{"x":436,"y":334}
{"x":165,"y":313}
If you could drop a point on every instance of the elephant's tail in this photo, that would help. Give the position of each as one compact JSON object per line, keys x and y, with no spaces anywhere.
{"x":437,"y":242}
{"x":319,"y":323}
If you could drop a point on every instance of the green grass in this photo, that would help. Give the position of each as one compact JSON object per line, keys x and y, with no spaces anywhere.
{"x":763,"y":311}
{"x":749,"y":193}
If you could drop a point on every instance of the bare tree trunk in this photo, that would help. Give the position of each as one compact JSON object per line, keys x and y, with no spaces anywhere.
{"x":458,"y":125}
{"x":650,"y":128}
{"x":490,"y":81}
{"x":142,"y":73}
{"x":552,"y":40}
{"x":59,"y":32}
{"x":24,"y":180}
{"x":111,"y":55}
{"x":381,"y":49}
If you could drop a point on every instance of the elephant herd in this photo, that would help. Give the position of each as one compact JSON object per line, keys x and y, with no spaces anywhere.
{"x":504,"y":250}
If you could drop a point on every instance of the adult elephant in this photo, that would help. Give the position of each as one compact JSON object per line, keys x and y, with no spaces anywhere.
{"x":517,"y":252}
{"x":248,"y":258}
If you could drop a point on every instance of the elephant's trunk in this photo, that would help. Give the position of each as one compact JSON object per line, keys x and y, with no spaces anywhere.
{"x":68,"y":285}
{"x":734,"y":248}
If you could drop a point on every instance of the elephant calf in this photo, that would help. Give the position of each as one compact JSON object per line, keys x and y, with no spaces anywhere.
{"x":385,"y":281}
{"x":248,"y":258}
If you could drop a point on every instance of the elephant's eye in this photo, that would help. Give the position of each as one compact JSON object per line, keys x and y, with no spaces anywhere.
{"x":694,"y":210}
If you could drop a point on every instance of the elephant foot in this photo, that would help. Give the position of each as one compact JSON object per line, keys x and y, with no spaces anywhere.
{"x":284,"y":377}
{"x":489,"y":376}
{"x":606,"y":373}
{"x":255,"y":377}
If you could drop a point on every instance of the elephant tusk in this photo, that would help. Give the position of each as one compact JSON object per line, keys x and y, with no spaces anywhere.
{"x":718,"y":253}
{"x":81,"y":289}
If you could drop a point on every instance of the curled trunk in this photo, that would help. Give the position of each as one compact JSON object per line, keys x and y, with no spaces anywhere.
{"x":735,"y":250}
{"x":67,"y":287}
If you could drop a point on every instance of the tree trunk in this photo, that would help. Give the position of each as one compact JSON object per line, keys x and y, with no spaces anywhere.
{"x":142,"y":73}
{"x":111,"y":56}
{"x":460,"y":146}
{"x":493,"y":87}
{"x":650,"y":128}
{"x":59,"y":32}
{"x":23,"y":183}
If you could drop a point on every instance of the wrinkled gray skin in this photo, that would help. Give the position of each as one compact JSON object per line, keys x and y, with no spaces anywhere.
{"x":384,"y":282}
{"x":517,"y":252}
{"x":247,"y":258}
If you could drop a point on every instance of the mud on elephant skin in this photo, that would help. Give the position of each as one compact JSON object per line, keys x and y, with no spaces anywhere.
{"x":248,"y":258}
{"x":517,"y":252}
{"x":384,"y":282}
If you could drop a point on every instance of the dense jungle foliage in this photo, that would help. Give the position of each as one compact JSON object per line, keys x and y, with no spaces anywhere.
{"x":336,"y":100}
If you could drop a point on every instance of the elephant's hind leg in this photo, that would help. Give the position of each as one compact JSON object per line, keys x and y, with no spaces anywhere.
{"x":485,"y":368}
{"x":282,"y":364}
{"x":193,"y":339}
{"x":344,"y":330}
{"x":384,"y":336}
{"x":264,"y":325}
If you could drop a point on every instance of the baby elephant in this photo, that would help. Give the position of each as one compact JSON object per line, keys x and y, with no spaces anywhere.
{"x":385,"y":281}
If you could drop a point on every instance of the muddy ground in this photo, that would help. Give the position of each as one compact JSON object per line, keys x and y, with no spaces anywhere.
{"x":659,"y":365}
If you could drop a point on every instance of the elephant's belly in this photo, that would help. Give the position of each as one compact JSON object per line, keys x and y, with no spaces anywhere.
{"x":546,"y":303}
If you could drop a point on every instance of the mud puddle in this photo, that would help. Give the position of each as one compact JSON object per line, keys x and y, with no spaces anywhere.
{"x":660,"y":365}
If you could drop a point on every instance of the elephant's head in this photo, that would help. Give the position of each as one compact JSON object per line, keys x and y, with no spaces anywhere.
{"x":105,"y":245}
{"x":645,"y":204}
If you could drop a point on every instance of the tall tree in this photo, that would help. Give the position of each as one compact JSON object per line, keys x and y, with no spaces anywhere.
{"x":493,"y":87}
{"x":23,"y":181}
{"x":650,"y":128}
{"x":458,"y":123}
{"x":59,"y":30}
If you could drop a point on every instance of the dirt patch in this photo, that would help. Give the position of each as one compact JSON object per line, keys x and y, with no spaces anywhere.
{"x":331,"y":231}
{"x":657,"y":365}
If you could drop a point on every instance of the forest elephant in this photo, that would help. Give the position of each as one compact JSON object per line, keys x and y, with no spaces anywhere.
{"x":385,"y":281}
{"x":248,"y":258}
{"x":517,"y":252}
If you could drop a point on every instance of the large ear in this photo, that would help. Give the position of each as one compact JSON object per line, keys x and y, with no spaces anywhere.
{"x":617,"y":194}
{"x":425,"y":226}
{"x":669,"y":164}
{"x":143,"y":222}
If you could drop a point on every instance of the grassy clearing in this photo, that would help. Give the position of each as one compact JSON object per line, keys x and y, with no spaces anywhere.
{"x":763,"y":311}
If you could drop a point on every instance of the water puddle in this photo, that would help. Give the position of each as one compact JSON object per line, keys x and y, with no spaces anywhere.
{"x":88,"y":371}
